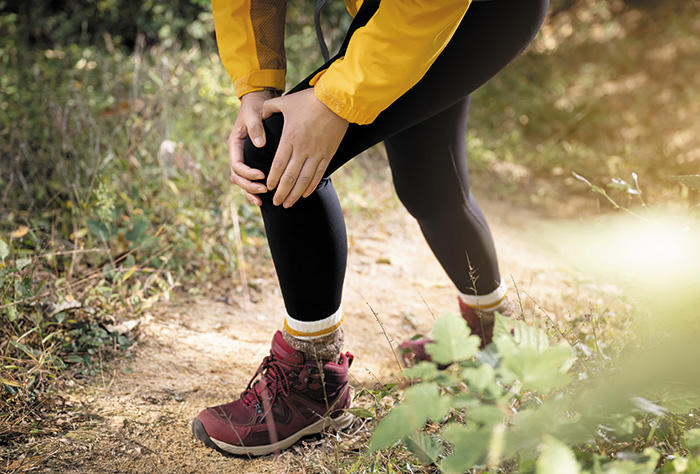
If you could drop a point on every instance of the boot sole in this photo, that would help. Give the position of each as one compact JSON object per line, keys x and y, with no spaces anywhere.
{"x":340,"y":422}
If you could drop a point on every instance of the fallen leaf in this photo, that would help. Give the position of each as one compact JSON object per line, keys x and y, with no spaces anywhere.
{"x":20,"y":232}
{"x":124,"y":327}
{"x":65,"y":306}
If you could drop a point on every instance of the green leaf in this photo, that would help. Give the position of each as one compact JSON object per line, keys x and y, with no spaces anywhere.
{"x":422,"y":370}
{"x":470,"y":447}
{"x":510,"y":335}
{"x":75,"y":359}
{"x":427,"y":448}
{"x":4,"y":250}
{"x":556,"y":458}
{"x":27,"y":350}
{"x":21,"y":263}
{"x":11,"y":312}
{"x":487,"y":415}
{"x":422,"y":402}
{"x":692,"y":440}
{"x":541,"y":372}
{"x":98,"y":229}
{"x":452,"y":342}
{"x":138,"y":230}
{"x":527,"y":356}
{"x":479,"y":378}
{"x":361,"y":412}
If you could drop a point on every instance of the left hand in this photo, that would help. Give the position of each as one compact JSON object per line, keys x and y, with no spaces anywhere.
{"x":310,"y":137}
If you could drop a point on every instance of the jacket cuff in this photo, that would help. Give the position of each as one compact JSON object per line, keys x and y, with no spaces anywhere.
{"x":341,"y":103}
{"x":258,"y":80}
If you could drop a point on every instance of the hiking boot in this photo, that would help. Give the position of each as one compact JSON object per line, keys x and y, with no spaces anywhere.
{"x":480,"y":323}
{"x":294,"y":396}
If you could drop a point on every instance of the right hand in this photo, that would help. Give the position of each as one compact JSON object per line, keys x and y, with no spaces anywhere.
{"x":248,"y":123}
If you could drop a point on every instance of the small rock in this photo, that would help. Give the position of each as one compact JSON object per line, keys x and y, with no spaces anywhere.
{"x":117,"y":422}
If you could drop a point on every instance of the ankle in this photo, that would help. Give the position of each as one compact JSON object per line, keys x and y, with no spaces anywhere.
{"x":324,"y":348}
{"x":486,"y":303}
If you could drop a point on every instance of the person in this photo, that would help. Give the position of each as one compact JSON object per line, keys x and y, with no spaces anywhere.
{"x":403,"y":75}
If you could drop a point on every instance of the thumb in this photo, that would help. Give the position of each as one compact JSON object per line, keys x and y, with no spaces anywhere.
{"x":256,"y":132}
{"x":271,"y":106}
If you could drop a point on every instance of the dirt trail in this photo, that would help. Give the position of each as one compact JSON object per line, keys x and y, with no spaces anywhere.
{"x":199,"y":354}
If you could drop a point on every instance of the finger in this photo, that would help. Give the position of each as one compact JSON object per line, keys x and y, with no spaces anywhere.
{"x":279,"y":163}
{"x":245,"y":171}
{"x":254,"y":199}
{"x":288,"y":179}
{"x":271,"y":106}
{"x":248,"y":186}
{"x":305,"y":177}
{"x":256,"y":131}
{"x":235,"y":153}
{"x":320,"y":170}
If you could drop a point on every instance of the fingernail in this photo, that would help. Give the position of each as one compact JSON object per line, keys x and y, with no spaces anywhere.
{"x":258,"y":141}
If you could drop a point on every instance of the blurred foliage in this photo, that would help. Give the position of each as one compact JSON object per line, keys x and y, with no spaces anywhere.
{"x":111,"y":195}
{"x":49,"y":23}
{"x":526,"y":403}
{"x":605,"y":90}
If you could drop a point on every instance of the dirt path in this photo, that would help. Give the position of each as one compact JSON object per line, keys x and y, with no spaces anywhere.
{"x":194,"y":355}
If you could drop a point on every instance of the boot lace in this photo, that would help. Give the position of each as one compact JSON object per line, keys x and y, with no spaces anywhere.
{"x":273,"y":379}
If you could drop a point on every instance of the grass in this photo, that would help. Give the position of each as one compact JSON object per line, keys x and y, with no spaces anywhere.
{"x":114,"y":191}
{"x":112,"y":196}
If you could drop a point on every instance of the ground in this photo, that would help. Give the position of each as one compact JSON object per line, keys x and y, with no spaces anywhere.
{"x":193,"y":353}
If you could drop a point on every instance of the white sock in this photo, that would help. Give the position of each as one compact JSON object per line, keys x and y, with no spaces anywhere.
{"x":309,"y":330}
{"x":491,"y":302}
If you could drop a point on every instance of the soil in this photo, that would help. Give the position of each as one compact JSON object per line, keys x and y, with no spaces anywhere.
{"x":201,"y":352}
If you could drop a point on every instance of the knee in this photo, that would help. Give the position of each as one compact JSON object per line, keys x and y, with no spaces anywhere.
{"x":426,"y":200}
{"x":261,"y":158}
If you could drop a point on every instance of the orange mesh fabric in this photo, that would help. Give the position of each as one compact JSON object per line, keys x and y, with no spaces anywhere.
{"x":267,"y":17}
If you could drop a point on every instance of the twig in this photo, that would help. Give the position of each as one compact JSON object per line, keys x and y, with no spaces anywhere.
{"x":430,"y":310}
{"x":520,"y":301}
{"x":376,"y":316}
{"x":239,"y":252}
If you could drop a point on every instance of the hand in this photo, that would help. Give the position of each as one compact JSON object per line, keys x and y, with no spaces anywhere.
{"x":310,"y":137}
{"x":248,"y":122}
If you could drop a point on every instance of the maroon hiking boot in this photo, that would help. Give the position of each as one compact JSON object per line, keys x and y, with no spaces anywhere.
{"x":480,"y":323}
{"x":292,"y":398}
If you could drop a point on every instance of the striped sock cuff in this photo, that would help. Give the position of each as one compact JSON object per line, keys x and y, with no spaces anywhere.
{"x":307,"y":330}
{"x":489,"y":302}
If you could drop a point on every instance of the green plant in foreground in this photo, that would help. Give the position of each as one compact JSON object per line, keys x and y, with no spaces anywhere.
{"x":517,"y":401}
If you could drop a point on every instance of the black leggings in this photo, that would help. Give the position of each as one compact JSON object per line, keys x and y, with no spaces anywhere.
{"x":424,"y":133}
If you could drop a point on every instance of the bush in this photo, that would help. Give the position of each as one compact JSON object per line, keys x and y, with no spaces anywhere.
{"x":518,"y":403}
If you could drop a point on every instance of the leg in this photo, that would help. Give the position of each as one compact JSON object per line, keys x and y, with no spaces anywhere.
{"x":429,"y":167}
{"x":308,"y":240}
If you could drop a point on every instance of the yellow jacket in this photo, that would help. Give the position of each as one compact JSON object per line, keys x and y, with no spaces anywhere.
{"x":383,"y":60}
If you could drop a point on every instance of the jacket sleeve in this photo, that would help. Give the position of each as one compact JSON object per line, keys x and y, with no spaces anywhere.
{"x":250,"y":36}
{"x":388,"y":56}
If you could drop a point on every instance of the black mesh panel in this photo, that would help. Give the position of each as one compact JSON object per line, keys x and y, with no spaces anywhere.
{"x":267,"y":17}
